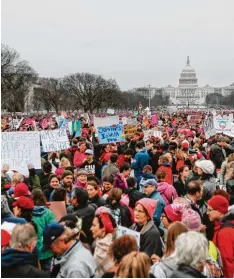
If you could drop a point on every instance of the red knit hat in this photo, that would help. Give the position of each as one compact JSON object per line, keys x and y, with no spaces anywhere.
{"x":5,"y":238}
{"x":219,"y":203}
{"x":149,"y":205}
{"x":24,"y":202}
{"x":21,"y":189}
{"x":174,"y":211}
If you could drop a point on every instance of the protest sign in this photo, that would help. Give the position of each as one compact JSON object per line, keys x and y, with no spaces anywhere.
{"x":131,"y":121}
{"x":18,"y":125}
{"x":124,"y":120}
{"x":208,"y":127}
{"x":63,"y":113}
{"x":110,"y":111}
{"x":76,"y":128}
{"x":130,"y":130}
{"x":19,"y":149}
{"x":148,"y":134}
{"x":54,"y":140}
{"x":231,"y":133}
{"x":58,"y":208}
{"x":15,"y":122}
{"x":111,"y":134}
{"x":106,"y":121}
{"x":125,"y":231}
{"x":154,"y":119}
{"x":157,"y":134}
{"x":223,"y":123}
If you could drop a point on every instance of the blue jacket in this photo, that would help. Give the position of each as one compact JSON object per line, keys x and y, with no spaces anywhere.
{"x":141,"y":159}
{"x":155,"y":195}
{"x":141,"y":179}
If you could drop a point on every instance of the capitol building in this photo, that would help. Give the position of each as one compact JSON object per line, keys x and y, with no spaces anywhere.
{"x":187,"y":91}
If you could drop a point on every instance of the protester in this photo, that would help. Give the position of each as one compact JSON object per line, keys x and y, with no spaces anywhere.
{"x":73,"y":259}
{"x":165,"y":165}
{"x":140,"y":160}
{"x":80,"y":155}
{"x":45,"y":174}
{"x":108,"y":182}
{"x":147,"y":174}
{"x":120,"y":178}
{"x":94,"y":198}
{"x":150,"y":241}
{"x":132,"y":193}
{"x":19,"y":261}
{"x":103,"y":230}
{"x":53,"y":184}
{"x":90,"y":165}
{"x":180,"y":183}
{"x":125,"y":157}
{"x":112,"y":166}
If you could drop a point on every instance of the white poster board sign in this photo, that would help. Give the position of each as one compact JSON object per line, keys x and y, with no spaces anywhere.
{"x":124,"y":120}
{"x":110,"y":111}
{"x":15,"y":122}
{"x":106,"y":121}
{"x":54,"y":140}
{"x":123,"y":231}
{"x":157,"y":134}
{"x":223,"y":123}
{"x":19,"y":149}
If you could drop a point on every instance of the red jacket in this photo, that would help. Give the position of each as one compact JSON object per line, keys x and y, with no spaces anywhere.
{"x":224,"y":241}
{"x":168,"y":171}
{"x":79,"y":158}
{"x":105,"y":157}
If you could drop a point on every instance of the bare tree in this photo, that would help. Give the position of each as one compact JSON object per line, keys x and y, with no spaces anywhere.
{"x":17,"y":78}
{"x":89,"y":90}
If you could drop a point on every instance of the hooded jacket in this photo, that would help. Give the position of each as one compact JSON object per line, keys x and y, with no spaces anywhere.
{"x":42,"y":216}
{"x":20,"y":264}
{"x":141,"y":159}
{"x":141,"y":179}
{"x":224,"y":241}
{"x":150,"y":241}
{"x":77,"y":262}
{"x":167,"y":191}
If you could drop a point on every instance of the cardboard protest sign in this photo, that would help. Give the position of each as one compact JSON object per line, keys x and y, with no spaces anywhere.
{"x":54,"y":140}
{"x":111,"y":134}
{"x":106,"y":121}
{"x":223,"y":123}
{"x":125,"y":231}
{"x":58,"y":208}
{"x":110,"y":111}
{"x":131,"y":121}
{"x":130,"y":130}
{"x":19,"y":149}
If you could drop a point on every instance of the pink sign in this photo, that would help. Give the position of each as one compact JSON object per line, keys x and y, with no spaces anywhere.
{"x":154,"y":119}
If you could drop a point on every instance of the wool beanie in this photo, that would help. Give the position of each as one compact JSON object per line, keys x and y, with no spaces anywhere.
{"x":192,"y":220}
{"x":149,"y":205}
{"x":66,"y":173}
{"x":174,"y":211}
{"x":219,"y":203}
{"x":207,"y":166}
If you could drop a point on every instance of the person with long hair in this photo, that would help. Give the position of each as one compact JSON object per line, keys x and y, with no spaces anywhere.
{"x":134,"y":265}
{"x":179,"y":185}
{"x":53,"y":184}
{"x":41,"y":217}
{"x":103,"y":230}
{"x":165,"y":267}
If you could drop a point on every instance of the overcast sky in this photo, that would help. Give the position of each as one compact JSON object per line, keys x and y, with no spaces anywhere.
{"x":136,"y":42}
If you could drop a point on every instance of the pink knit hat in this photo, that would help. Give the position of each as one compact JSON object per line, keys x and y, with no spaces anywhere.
{"x":149,"y":205}
{"x":192,"y":220}
{"x":174,"y":211}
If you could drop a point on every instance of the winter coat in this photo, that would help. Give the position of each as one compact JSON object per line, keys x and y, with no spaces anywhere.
{"x":141,"y":159}
{"x":164,"y":268}
{"x":134,"y":195}
{"x":155,"y":195}
{"x":79,"y":158}
{"x":230,"y":190}
{"x":166,"y":167}
{"x":42,"y":216}
{"x":153,"y":162}
{"x":109,"y":169}
{"x":105,"y":157}
{"x":100,"y":252}
{"x":77,"y":262}
{"x":141,"y":179}
{"x":150,"y":241}
{"x":20,"y":264}
{"x":209,"y":188}
{"x":122,"y":160}
{"x":93,"y":168}
{"x":97,"y":200}
{"x":87,"y":214}
{"x":184,"y":271}
{"x":44,"y":179}
{"x":180,"y":187}
{"x":224,"y":241}
{"x":217,"y":155}
{"x":119,"y":183}
{"x":121,"y":213}
{"x":47,"y":191}
{"x":167,"y":192}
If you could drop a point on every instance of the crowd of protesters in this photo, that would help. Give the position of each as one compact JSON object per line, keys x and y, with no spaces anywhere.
{"x":176,"y":191}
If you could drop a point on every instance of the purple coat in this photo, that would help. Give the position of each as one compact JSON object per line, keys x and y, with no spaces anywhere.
{"x":167,"y":191}
{"x":119,"y":183}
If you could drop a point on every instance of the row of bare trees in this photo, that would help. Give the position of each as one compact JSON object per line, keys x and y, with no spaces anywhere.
{"x":86,"y":91}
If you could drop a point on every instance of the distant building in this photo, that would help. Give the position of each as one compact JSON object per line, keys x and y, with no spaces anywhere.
{"x":187,"y":91}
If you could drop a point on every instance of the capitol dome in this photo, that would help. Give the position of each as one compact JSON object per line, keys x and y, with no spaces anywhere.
{"x":188,"y":76}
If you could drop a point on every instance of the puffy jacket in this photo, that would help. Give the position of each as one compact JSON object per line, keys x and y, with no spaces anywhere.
{"x":155,"y":195}
{"x":77,"y":262}
{"x":167,"y":191}
{"x":42,"y":216}
{"x":224,"y":241}
{"x":20,"y":264}
{"x":141,"y":159}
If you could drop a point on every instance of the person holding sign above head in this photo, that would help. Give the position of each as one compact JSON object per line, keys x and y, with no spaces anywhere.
{"x":150,"y":241}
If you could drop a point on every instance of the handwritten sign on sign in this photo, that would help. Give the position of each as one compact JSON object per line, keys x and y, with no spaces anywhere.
{"x":110,"y":134}
{"x":130,"y":130}
{"x":20,"y":149}
{"x":54,"y":140}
